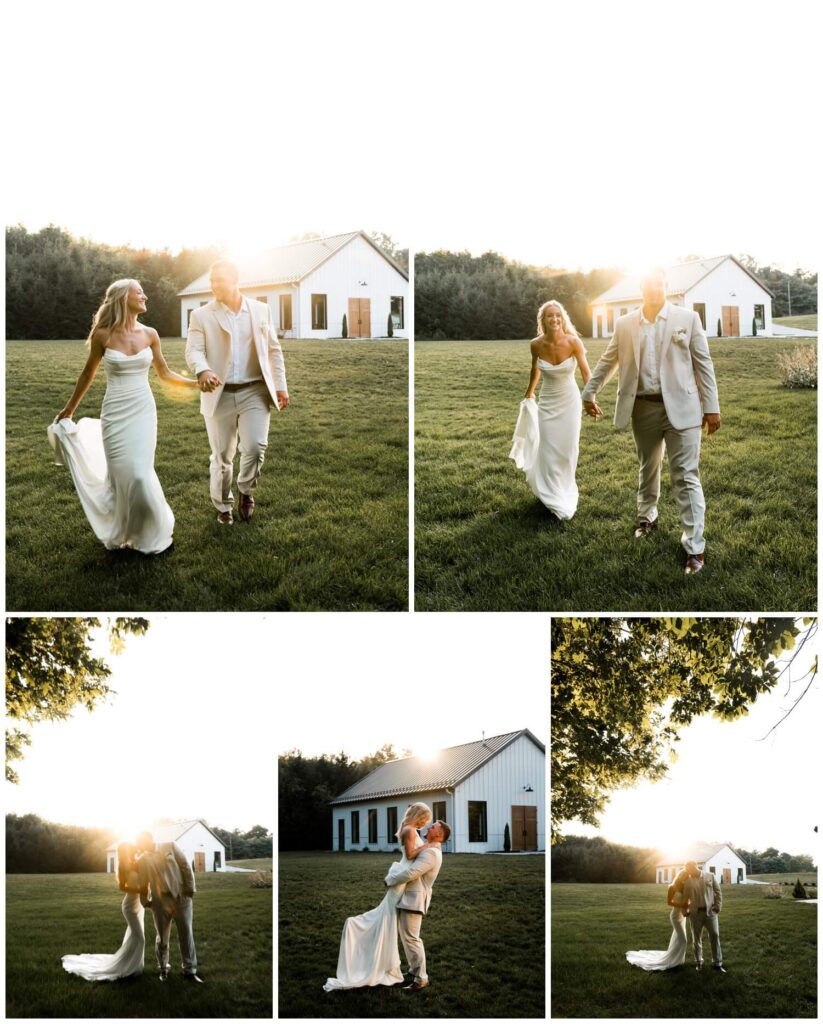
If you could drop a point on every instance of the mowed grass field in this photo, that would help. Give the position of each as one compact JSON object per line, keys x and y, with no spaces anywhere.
{"x":484,"y":542}
{"x":50,"y":915}
{"x":805,"y":321}
{"x":330,"y":530}
{"x":769,"y":951}
{"x":806,"y":877}
{"x":484,"y":937}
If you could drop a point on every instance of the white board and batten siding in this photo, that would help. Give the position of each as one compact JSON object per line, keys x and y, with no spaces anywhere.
{"x":385,"y":841}
{"x":719,"y":859}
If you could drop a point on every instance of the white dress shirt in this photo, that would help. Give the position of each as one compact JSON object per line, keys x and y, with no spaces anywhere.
{"x":651,"y":342}
{"x":245,"y":365}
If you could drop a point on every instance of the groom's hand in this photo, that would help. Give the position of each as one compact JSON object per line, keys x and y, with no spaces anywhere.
{"x":282,"y":399}
{"x":207,"y":380}
{"x":593,"y":410}
{"x":711,"y":421}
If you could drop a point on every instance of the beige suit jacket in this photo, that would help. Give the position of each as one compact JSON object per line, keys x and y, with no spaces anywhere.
{"x":687,"y":380}
{"x":208,"y":347}
{"x":703,"y":891}
{"x":420,"y":874}
{"x":166,"y":871}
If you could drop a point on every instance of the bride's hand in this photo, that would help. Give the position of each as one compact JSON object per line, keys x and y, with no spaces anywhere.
{"x":65,"y":413}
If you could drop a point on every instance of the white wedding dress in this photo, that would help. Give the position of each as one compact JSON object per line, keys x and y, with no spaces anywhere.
{"x":664,"y":960}
{"x":368,"y":947}
{"x":127,"y":960}
{"x":111,"y":460}
{"x":547,"y":451}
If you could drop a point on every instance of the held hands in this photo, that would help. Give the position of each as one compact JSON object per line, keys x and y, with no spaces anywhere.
{"x":207,"y":380}
{"x":593,"y":409}
{"x":711,"y":421}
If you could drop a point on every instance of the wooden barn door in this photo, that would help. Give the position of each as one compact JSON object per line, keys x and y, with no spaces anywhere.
{"x":199,"y":860}
{"x":341,"y":834}
{"x":727,"y":876}
{"x":524,"y":828}
{"x":359,"y":318}
{"x":731,"y":321}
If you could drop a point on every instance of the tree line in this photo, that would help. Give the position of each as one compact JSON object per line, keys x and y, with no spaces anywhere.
{"x":37,"y":846}
{"x":460,"y":296}
{"x":55,"y":282}
{"x":306,"y":785}
{"x":586,"y":859}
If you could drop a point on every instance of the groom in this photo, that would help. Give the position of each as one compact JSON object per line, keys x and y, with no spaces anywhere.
{"x":233,"y":348}
{"x":667,"y":389}
{"x":414,"y":903}
{"x":702,"y":890}
{"x":163,"y":867}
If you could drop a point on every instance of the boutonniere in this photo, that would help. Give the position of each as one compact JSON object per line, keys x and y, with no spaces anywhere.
{"x":681,"y":337}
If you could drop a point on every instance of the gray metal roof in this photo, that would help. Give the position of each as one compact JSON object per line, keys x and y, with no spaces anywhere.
{"x":699,"y":853}
{"x":287,"y":264}
{"x":680,"y":278}
{"x":425,"y":774}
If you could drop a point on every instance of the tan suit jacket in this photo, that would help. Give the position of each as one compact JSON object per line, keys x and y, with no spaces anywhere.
{"x":687,"y":381}
{"x":208,"y":347}
{"x":420,"y":874}
{"x":166,"y":871}
{"x":703,"y":891}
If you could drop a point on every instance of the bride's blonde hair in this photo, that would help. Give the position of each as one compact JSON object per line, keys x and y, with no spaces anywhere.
{"x":113,"y":312}
{"x":568,"y":326}
{"x":418,"y":812}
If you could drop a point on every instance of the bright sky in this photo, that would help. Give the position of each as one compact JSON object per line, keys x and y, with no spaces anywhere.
{"x":187,"y":735}
{"x":444,"y":682}
{"x":726,"y":786}
{"x":585,"y":134}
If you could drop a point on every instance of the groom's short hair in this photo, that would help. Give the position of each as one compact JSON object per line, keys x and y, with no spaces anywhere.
{"x":224,"y":264}
{"x":446,"y":830}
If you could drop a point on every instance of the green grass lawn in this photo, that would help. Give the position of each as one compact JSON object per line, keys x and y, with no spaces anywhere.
{"x":805,"y":321}
{"x":258,"y":863}
{"x":330,"y":529}
{"x":769,"y":951}
{"x":806,"y":877}
{"x":50,"y":915}
{"x":484,"y":937}
{"x":484,"y":542}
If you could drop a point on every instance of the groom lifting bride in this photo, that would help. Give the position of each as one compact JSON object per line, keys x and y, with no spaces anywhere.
{"x":667,"y":389}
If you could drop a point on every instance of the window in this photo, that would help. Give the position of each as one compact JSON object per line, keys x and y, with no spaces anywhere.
{"x":217,"y":864}
{"x":624,"y":311}
{"x":760,"y":317}
{"x":439,"y":810}
{"x":700,"y":309}
{"x":264,"y":299}
{"x":610,"y":321}
{"x":318,"y":313}
{"x":397,"y":312}
{"x":712,"y":869}
{"x":477,"y":821}
{"x":355,"y":827}
{"x":391,"y":824}
{"x":285,"y":312}
{"x":373,"y":826}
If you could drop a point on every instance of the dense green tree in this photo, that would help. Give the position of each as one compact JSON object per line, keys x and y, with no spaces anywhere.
{"x":50,"y":668}
{"x":623,"y":688}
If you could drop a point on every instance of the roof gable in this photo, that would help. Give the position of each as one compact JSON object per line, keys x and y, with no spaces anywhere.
{"x":698,"y":852}
{"x":172,"y":831}
{"x":448,"y":768}
{"x":680,"y":278}
{"x":288,"y":264}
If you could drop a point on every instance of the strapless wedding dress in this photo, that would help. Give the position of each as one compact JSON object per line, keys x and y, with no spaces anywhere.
{"x":111,"y":460}
{"x":664,"y":960}
{"x":368,"y":947}
{"x":547,"y":451}
{"x":129,"y":957}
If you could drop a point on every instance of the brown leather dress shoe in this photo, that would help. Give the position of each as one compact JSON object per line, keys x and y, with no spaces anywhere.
{"x":644,"y":528}
{"x":416,"y":986}
{"x":694,"y":563}
{"x":225,"y":518}
{"x":245,"y":507}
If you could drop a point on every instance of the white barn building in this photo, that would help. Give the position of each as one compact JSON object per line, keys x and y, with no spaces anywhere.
{"x":719,"y":859}
{"x":203,"y":850}
{"x":311,"y":285}
{"x":478,"y":788}
{"x":719,"y":290}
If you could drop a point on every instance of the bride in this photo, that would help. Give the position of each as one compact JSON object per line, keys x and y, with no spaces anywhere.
{"x":675,"y":955}
{"x":111,"y":460}
{"x":547,"y":438}
{"x":368,"y":947}
{"x":129,"y":958}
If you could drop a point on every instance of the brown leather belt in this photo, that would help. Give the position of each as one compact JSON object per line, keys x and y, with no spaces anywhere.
{"x":649,"y":398}
{"x":237,"y":387}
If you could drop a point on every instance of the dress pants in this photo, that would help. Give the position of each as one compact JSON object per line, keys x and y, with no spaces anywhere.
{"x":699,"y":921}
{"x":652,"y":433}
{"x":409,"y":926}
{"x":240,"y":415}
{"x":165,"y":910}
